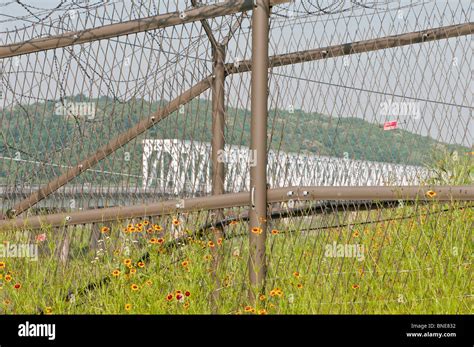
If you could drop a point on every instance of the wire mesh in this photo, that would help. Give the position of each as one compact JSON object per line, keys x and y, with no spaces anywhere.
{"x":400,"y":116}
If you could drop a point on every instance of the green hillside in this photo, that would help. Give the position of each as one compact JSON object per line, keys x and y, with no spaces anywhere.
{"x":35,"y":133}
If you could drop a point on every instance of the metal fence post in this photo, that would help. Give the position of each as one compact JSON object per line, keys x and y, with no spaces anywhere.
{"x":218,"y":121}
{"x":218,"y":169}
{"x":258,"y":146}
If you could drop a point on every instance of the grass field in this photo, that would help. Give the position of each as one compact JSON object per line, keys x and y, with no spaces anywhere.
{"x":409,"y":265}
{"x":403,"y":259}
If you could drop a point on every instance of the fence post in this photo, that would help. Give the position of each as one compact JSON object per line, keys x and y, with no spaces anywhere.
{"x":217,"y":145}
{"x":258,"y":146}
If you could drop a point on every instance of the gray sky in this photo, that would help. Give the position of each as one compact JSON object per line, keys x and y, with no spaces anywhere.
{"x":435,"y":77}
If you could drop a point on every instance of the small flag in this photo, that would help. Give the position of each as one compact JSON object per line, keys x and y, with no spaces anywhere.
{"x":390,"y":125}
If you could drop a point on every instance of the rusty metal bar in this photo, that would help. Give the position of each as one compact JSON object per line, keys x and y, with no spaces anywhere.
{"x":207,"y":28}
{"x":258,"y":146}
{"x":218,"y":121}
{"x":374,"y":193}
{"x":217,"y":145}
{"x":129,"y":27}
{"x":112,"y":146}
{"x":234,"y":28}
{"x":218,"y":169}
{"x":359,"y":47}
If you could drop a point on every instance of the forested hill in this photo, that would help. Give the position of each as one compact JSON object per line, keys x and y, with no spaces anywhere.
{"x":37,"y":131}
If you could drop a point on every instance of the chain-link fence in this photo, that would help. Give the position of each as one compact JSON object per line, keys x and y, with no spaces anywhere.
{"x":131,"y":158}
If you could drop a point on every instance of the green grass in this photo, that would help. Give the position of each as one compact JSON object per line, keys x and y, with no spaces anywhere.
{"x":416,"y":259}
{"x":411,"y":265}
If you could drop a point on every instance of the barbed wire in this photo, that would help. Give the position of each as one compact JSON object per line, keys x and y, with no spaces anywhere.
{"x":331,"y":123}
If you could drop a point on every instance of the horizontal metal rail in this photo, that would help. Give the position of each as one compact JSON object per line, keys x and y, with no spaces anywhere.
{"x":375,"y":193}
{"x":130,"y":27}
{"x":305,"y":210}
{"x":358,"y":47}
{"x":316,"y":209}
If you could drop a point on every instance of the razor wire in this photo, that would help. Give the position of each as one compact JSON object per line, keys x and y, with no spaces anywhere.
{"x":380,"y":118}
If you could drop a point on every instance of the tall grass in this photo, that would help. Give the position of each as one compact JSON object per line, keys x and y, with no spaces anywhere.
{"x":412,"y":259}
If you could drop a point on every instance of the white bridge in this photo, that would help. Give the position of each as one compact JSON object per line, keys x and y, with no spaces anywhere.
{"x":177,"y":166}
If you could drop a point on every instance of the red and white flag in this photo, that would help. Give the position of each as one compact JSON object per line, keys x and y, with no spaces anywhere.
{"x":390,"y":125}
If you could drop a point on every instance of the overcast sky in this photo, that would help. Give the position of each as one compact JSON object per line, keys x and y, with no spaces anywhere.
{"x":435,"y":78}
